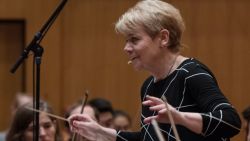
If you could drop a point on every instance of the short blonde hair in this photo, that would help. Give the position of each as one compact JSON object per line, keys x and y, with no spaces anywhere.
{"x":153,"y":16}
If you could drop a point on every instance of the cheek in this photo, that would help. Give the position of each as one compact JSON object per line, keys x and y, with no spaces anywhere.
{"x":145,"y":51}
{"x":28,"y":136}
{"x":52,"y":132}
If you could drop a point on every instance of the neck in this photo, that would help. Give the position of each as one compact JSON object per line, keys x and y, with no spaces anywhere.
{"x":167,"y":66}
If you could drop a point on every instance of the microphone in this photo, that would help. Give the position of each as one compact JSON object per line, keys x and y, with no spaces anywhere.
{"x":129,"y":62}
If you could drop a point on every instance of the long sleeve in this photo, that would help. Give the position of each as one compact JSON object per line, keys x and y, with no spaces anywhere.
{"x":192,"y":88}
{"x":128,"y":136}
{"x":218,"y":115}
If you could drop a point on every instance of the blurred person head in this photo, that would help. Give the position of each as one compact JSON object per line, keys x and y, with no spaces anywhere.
{"x":121,"y":121}
{"x":246,"y":116}
{"x":20,"y":100}
{"x":22,"y":125}
{"x":105,"y":111}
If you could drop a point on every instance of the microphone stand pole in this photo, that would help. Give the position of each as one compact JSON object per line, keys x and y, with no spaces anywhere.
{"x":35,"y":47}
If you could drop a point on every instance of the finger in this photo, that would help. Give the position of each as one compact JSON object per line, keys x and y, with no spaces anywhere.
{"x":157,"y":107}
{"x":80,"y":117}
{"x":148,"y":103}
{"x":149,"y":119}
{"x":78,"y":124}
{"x":73,"y":129}
{"x":162,"y":111}
{"x":77,"y":117}
{"x":154,"y":99}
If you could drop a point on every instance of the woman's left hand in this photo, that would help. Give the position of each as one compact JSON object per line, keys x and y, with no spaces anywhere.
{"x":190,"y":120}
{"x":158,"y":105}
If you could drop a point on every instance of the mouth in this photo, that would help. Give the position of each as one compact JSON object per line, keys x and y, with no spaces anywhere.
{"x":133,"y":58}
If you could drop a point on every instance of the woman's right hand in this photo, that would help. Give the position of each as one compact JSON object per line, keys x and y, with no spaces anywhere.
{"x":84,"y":125}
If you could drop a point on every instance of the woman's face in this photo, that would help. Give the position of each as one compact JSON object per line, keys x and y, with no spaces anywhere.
{"x":47,"y":129}
{"x":142,"y":50}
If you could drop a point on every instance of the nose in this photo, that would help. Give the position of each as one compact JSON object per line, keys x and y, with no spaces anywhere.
{"x":42,"y":132}
{"x":128,"y":48}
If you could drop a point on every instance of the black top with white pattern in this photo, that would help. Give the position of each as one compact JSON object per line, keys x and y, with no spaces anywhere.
{"x":190,"y":88}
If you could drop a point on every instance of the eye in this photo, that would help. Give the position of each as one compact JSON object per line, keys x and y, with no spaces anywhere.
{"x":134,"y":40}
{"x":47,"y":125}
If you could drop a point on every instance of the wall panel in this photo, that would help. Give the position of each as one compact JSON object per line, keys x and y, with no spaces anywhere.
{"x":82,"y":51}
{"x":11,"y":43}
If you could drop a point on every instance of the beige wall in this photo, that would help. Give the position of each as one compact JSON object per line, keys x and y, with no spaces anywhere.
{"x":82,"y":51}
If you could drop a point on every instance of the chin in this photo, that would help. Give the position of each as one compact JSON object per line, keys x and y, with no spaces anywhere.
{"x":138,"y":67}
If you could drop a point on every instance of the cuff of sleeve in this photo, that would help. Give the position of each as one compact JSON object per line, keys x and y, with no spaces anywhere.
{"x":120,"y":136}
{"x":205,"y":122}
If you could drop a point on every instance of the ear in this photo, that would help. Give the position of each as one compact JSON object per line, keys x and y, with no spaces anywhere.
{"x":164,"y":37}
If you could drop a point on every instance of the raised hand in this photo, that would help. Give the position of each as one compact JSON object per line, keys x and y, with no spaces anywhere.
{"x":157,"y":105}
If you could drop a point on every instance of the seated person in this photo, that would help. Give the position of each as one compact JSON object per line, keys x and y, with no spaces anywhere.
{"x":121,"y":121}
{"x":22,"y":125}
{"x":105,"y":110}
{"x":246,"y":116}
{"x":19,"y":100}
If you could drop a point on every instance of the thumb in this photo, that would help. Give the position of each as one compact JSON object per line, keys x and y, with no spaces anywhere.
{"x":78,"y":124}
